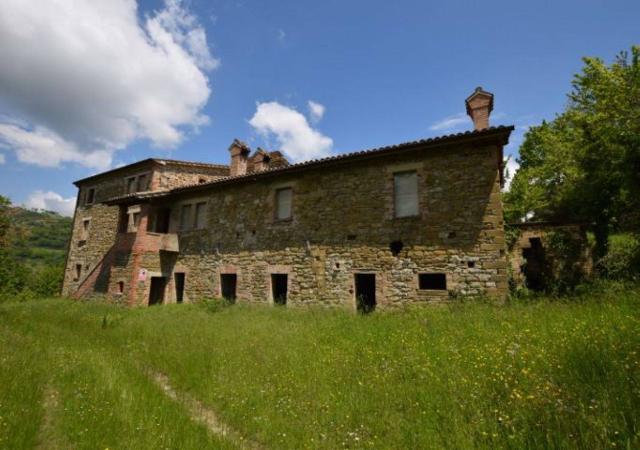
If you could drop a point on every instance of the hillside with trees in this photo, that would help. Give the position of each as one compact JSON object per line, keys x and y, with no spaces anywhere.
{"x":33,"y":247}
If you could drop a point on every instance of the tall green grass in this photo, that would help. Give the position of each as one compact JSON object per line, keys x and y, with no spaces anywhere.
{"x":549,"y":373}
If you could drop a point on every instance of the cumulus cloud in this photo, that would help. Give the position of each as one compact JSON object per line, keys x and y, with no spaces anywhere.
{"x":450,"y":123}
{"x":297,"y":139}
{"x":316,"y":110}
{"x":51,"y":201}
{"x":86,"y":78}
{"x":45,"y":148}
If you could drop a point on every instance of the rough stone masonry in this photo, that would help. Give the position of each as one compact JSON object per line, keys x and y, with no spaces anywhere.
{"x":416,"y":222}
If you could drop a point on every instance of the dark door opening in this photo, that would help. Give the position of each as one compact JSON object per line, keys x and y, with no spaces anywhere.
{"x":228,"y":283}
{"x":534,"y":266}
{"x":279,"y":282}
{"x":179,"y":280}
{"x":156,"y":290}
{"x":365,"y":292}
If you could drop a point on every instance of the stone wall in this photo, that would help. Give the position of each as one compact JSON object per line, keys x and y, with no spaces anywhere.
{"x":533,"y":261}
{"x":343,"y":224}
{"x":89,"y":249}
{"x":175,"y":175}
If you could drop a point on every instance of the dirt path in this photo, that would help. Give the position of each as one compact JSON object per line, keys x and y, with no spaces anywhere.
{"x":49,"y":405}
{"x":201,"y":414}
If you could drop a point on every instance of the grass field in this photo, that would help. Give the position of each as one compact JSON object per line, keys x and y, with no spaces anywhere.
{"x":544,"y":373}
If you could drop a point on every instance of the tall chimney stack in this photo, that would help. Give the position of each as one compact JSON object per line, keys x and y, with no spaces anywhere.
{"x":261,"y":160}
{"x":239,"y":156}
{"x":479,"y":107}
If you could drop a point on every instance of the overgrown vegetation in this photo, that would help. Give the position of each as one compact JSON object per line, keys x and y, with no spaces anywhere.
{"x":33,"y":245}
{"x":549,"y":373}
{"x":583,"y":166}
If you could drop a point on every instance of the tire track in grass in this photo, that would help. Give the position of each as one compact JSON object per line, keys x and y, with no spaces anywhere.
{"x":50,"y":399}
{"x":201,"y":414}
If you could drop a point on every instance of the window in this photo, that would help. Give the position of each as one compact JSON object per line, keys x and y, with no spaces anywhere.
{"x":120,"y":288}
{"x":432,"y":281}
{"x":137,"y":183}
{"x":160,"y":220}
{"x":78,"y":272}
{"x":131,"y":185}
{"x":85,"y":229}
{"x":90,"y":196}
{"x":283,"y":203}
{"x":142,"y":183}
{"x":185,"y":217}
{"x":135,"y":221}
{"x":405,"y":190}
{"x":199,"y":220}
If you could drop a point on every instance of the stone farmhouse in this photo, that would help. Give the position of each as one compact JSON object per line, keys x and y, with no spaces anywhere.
{"x":416,"y":222}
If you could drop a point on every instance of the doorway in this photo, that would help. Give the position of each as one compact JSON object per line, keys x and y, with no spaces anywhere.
{"x":365,"y":292}
{"x":156,"y":290}
{"x":534,"y":267}
{"x":279,"y":285}
{"x":228,"y":283}
{"x":179,"y":280}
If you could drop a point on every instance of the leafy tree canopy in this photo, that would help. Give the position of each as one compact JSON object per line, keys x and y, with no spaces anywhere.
{"x":584,"y":165}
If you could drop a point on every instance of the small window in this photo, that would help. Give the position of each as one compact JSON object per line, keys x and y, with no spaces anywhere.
{"x":142,"y":183}
{"x":90,"y":197}
{"x":85,"y":229}
{"x":131,"y":185}
{"x":432,"y":281}
{"x":120,"y":287}
{"x":134,"y":220}
{"x":283,"y":203}
{"x":200,"y":215}
{"x":202,"y":180}
{"x":78,"y":272}
{"x":405,"y":190}
{"x":185,"y":217}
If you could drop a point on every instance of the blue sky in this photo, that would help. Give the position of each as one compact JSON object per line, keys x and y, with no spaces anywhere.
{"x":385,"y":72}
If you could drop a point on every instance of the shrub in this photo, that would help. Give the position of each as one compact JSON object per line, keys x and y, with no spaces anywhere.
{"x":623,"y":260}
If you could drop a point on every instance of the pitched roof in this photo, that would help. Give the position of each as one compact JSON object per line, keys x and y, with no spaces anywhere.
{"x":502,"y":132}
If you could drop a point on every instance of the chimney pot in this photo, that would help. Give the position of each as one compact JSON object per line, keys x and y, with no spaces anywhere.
{"x":239,"y":155}
{"x":479,"y":107}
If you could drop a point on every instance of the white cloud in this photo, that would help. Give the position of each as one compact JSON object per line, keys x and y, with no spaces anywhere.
{"x":2,"y":160}
{"x":87,"y":78}
{"x":451,"y":123}
{"x":510,"y":172}
{"x":47,"y":149}
{"x":51,"y":201}
{"x":296,"y":137}
{"x":316,"y":110}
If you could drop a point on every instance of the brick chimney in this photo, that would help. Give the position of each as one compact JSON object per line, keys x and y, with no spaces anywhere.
{"x":261,"y":160}
{"x":239,"y":156}
{"x":479,"y":107}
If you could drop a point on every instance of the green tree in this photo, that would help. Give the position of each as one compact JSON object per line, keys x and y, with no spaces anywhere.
{"x":585,"y":164}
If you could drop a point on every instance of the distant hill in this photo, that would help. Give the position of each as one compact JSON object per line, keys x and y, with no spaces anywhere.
{"x":43,"y":236}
